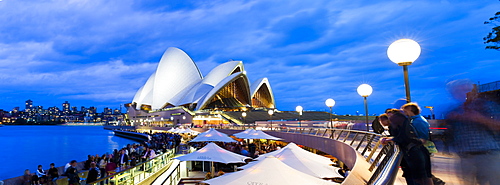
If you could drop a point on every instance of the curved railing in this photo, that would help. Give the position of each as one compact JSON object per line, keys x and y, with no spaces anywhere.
{"x":383,"y":159}
{"x":139,"y":173}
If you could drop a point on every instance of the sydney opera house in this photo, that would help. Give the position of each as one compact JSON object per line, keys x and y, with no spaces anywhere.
{"x":177,"y":91}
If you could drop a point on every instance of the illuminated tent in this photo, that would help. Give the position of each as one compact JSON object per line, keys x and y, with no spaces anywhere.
{"x":269,"y":171}
{"x":212,"y":135}
{"x":213,"y":153}
{"x":257,"y":134}
{"x":301,"y":152}
{"x":296,"y":160}
{"x":244,"y":133}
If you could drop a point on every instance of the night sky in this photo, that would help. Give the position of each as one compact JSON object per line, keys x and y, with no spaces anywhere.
{"x":99,"y":53}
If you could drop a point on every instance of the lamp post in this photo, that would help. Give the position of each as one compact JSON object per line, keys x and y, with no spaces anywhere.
{"x":404,"y":52}
{"x":299,"y":109}
{"x":431,"y":108}
{"x":365,"y":90}
{"x":244,"y":115}
{"x":330,"y":103}
{"x":271,"y":112}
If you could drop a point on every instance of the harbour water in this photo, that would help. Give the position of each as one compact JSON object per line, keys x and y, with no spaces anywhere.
{"x":25,"y":147}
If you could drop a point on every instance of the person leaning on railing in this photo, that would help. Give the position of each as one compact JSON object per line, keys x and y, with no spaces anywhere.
{"x":414,"y":164}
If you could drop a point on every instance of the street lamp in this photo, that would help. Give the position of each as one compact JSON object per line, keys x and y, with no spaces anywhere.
{"x":404,"y":52}
{"x":244,"y":115}
{"x":365,"y":90}
{"x":271,"y":112}
{"x":299,"y":109}
{"x":330,"y":103}
{"x":431,"y":108}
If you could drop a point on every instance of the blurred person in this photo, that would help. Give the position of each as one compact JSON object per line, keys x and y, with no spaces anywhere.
{"x":89,"y":160}
{"x":414,"y":163}
{"x":383,"y":120}
{"x":376,"y":126}
{"x":422,"y":127}
{"x":53,"y":174}
{"x":412,"y":110}
{"x":220,"y":173}
{"x":27,"y":177}
{"x":474,"y":127}
{"x":72,"y":173}
{"x":40,"y":175}
{"x":93,"y":174}
{"x":110,"y":166}
{"x":123,"y":159}
{"x":102,"y":165}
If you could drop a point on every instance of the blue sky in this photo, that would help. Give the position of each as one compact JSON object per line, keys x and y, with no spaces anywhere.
{"x":99,"y":53}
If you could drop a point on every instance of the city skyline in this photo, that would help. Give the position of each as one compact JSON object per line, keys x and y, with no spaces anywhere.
{"x":99,"y":53}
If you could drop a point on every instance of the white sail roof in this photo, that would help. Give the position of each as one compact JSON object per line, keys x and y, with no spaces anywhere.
{"x":177,"y":81}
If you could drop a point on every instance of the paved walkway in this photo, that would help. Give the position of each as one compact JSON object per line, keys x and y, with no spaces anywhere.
{"x":443,"y":167}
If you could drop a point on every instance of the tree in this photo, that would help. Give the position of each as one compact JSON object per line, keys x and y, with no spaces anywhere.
{"x":494,"y":36}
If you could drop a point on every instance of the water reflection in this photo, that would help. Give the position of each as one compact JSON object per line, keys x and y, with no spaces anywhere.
{"x":25,"y":147}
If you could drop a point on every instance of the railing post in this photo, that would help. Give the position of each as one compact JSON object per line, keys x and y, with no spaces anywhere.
{"x":354,"y":139}
{"x":347,"y":135}
{"x":368,"y":144}
{"x":338,"y":137}
{"x":361,"y":142}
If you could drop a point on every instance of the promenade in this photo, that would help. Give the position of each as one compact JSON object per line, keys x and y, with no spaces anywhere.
{"x":443,"y":167}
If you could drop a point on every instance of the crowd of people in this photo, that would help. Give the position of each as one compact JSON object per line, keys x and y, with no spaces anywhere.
{"x":472,"y":128}
{"x":99,"y":166}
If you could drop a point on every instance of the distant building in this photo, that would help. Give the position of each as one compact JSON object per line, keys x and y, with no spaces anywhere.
{"x":29,"y":105}
{"x":65,"y":107}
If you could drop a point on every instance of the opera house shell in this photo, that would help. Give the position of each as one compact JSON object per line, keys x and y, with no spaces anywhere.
{"x":177,"y":82}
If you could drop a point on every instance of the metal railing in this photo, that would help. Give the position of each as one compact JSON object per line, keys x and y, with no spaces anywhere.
{"x":135,"y":175}
{"x":489,"y":86}
{"x":383,"y":159}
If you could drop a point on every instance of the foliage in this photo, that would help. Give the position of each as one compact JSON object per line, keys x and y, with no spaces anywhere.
{"x":494,"y":36}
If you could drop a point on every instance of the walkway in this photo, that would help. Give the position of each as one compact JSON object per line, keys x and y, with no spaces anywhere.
{"x":443,"y":167}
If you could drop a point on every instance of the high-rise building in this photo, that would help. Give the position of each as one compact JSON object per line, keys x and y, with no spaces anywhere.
{"x":29,"y":105}
{"x":65,"y":107}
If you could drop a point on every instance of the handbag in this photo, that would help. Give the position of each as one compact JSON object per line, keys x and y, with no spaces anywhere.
{"x":431,"y":147}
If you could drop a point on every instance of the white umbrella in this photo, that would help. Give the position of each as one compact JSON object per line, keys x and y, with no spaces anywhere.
{"x":188,"y":130}
{"x":310,"y":166}
{"x":244,"y":133}
{"x":172,"y":129}
{"x":258,"y":134}
{"x":212,"y":135}
{"x":270,"y":171}
{"x":301,"y":152}
{"x":179,"y":130}
{"x":213,"y":153}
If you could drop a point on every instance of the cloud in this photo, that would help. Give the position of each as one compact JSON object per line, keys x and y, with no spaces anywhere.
{"x":103,"y":51}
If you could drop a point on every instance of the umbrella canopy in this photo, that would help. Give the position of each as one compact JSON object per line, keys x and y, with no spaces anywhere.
{"x":212,"y":135}
{"x":188,"y":130}
{"x":258,"y":134}
{"x":244,"y":133}
{"x":180,"y":130}
{"x":172,"y":129}
{"x":213,"y":153}
{"x":301,"y":152}
{"x":269,"y":171}
{"x":296,"y":160}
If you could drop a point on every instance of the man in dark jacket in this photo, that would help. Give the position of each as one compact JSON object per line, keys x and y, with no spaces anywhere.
{"x":72,"y":173}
